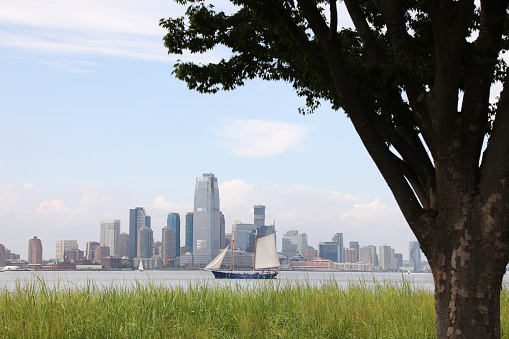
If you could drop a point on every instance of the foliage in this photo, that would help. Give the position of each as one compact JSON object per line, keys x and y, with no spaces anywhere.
{"x":265,"y":310}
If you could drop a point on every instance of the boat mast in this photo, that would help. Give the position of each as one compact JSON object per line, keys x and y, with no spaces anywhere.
{"x":254,"y":257}
{"x":231,"y":257}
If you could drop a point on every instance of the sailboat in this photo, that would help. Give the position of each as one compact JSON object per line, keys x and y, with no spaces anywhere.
{"x":265,"y":261}
{"x":140,"y":266}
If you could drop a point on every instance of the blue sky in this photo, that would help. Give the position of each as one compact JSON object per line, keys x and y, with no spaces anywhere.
{"x":93,"y":124}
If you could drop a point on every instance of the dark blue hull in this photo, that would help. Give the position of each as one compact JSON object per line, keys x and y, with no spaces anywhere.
{"x":244,"y":275}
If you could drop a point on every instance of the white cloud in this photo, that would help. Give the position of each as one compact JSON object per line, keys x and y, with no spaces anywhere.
{"x":117,"y":28}
{"x":53,"y":206}
{"x":28,"y":185}
{"x":258,"y":138}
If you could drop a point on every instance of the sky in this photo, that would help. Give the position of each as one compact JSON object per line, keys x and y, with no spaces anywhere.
{"x":93,"y":123}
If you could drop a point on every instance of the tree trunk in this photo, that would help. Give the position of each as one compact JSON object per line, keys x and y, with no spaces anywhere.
{"x":468,"y":262}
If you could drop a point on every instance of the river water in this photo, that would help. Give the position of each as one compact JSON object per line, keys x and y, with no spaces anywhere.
{"x":186,"y":278}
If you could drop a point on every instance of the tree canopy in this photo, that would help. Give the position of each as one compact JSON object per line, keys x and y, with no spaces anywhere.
{"x":416,"y":78}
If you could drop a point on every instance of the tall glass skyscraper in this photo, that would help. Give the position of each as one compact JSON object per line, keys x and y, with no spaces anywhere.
{"x":189,"y":232}
{"x":414,"y":259}
{"x":206,"y":220}
{"x":138,"y":219}
{"x":173,"y":222}
{"x":259,"y":215}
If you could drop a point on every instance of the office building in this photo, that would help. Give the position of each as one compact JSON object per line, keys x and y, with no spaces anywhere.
{"x":124,"y":245}
{"x":244,"y":236}
{"x":145,"y":243}
{"x":90,"y":250}
{"x":74,"y":255}
{"x":367,"y":254}
{"x":189,"y":232}
{"x":385,"y":258}
{"x":102,"y":252}
{"x":206,"y":220}
{"x":329,"y":250}
{"x":338,"y":237}
{"x":290,"y":243}
{"x":259,"y":216}
{"x":354,"y":245}
{"x":64,"y":245}
{"x":3,"y":256}
{"x":399,"y":260}
{"x":414,"y":250}
{"x":35,"y":251}
{"x":351,"y":255}
{"x":110,"y":236}
{"x":173,"y":221}
{"x":169,"y":237}
{"x":222,"y":230}
{"x":138,"y":219}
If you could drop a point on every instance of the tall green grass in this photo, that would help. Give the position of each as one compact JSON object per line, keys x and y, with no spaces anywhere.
{"x":366,"y":309}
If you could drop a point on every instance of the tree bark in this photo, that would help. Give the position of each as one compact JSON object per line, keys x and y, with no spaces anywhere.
{"x":468,"y":257}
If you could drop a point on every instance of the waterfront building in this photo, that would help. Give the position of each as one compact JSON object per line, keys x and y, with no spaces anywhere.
{"x":329,"y":250}
{"x":64,"y":245}
{"x":124,"y":245}
{"x":259,"y":216}
{"x":385,"y":258}
{"x":351,"y":255}
{"x":189,"y":232}
{"x":290,"y":243}
{"x":102,"y":252}
{"x":158,"y":248}
{"x":173,"y":221}
{"x":222,"y":226}
{"x":309,"y":254}
{"x":110,"y":235}
{"x":90,"y":250}
{"x":244,"y":236}
{"x":169,"y":246}
{"x":338,"y":237}
{"x":145,"y":243}
{"x":3,"y":256}
{"x":399,"y":260}
{"x":74,"y":255}
{"x":367,"y":254}
{"x":414,"y":250}
{"x":354,"y":245}
{"x":35,"y":251}
{"x":138,"y":219}
{"x":206,"y":220}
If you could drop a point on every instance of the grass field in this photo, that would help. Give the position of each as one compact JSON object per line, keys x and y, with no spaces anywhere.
{"x":274,"y":310}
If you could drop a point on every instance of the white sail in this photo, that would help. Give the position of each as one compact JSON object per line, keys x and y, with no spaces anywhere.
{"x":216,"y":263}
{"x":266,"y":254}
{"x":140,"y":267}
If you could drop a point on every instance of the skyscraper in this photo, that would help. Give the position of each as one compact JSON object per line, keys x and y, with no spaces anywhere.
{"x":138,"y":219}
{"x":367,"y":254}
{"x":173,"y":221}
{"x":189,"y":232}
{"x":110,"y":236}
{"x":206,"y":220}
{"x":414,"y":250}
{"x":385,"y":257}
{"x":64,"y":245}
{"x":259,"y":215}
{"x":124,"y":245}
{"x":35,"y":251}
{"x":169,"y":238}
{"x":338,"y":237}
{"x":3,"y":256}
{"x":222,"y":230}
{"x":329,"y":250}
{"x":145,"y":243}
{"x":290,"y":243}
{"x":91,"y":249}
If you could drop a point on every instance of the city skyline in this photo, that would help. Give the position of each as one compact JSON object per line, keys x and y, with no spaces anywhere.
{"x":92,"y":140}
